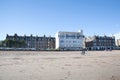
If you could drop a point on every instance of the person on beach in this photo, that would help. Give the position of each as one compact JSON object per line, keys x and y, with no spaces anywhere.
{"x":83,"y":52}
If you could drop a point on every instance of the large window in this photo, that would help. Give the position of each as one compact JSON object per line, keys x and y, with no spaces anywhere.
{"x":74,"y":41}
{"x":70,"y":36}
{"x":61,"y":41}
{"x":61,"y":35}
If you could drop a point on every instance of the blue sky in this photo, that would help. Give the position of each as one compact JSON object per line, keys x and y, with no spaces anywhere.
{"x":39,"y":17}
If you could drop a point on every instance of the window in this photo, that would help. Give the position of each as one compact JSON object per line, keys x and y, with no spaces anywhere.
{"x":61,"y":36}
{"x":66,"y":41}
{"x":69,"y":41}
{"x":61,"y":41}
{"x":74,"y":41}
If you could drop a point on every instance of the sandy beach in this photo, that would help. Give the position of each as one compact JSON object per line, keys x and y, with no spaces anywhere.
{"x":71,"y":65}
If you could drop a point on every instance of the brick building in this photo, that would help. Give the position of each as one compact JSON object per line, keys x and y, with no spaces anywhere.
{"x":100,"y":42}
{"x":34,"y":42}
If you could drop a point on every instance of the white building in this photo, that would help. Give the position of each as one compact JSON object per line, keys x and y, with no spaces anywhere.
{"x":69,"y":40}
{"x":118,"y":42}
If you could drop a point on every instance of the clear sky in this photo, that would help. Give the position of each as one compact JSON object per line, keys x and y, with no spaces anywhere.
{"x":39,"y":17}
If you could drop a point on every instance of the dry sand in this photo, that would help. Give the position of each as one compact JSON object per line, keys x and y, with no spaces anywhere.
{"x":37,"y":65}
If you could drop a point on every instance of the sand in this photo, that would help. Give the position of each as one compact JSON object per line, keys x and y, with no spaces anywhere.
{"x":71,"y":65}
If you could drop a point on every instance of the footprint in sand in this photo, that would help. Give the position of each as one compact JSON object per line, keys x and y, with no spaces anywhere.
{"x":66,"y":77}
{"x":62,"y":68}
{"x":42,"y":68}
{"x":114,"y":78}
{"x":69,"y":73}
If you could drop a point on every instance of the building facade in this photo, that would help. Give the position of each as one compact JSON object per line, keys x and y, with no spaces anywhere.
{"x":118,"y":42}
{"x":69,"y":40}
{"x":34,"y":42}
{"x":100,"y":43}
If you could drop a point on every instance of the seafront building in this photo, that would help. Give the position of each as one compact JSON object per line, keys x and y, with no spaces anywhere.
{"x":118,"y":42}
{"x":100,"y":43}
{"x":69,"y":40}
{"x":34,"y":42}
{"x":62,"y":41}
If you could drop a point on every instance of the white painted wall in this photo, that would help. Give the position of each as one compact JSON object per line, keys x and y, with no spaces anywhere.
{"x":69,"y":40}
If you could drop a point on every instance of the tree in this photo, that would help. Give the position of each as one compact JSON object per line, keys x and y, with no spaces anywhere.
{"x":0,"y":43}
{"x":13,"y":43}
